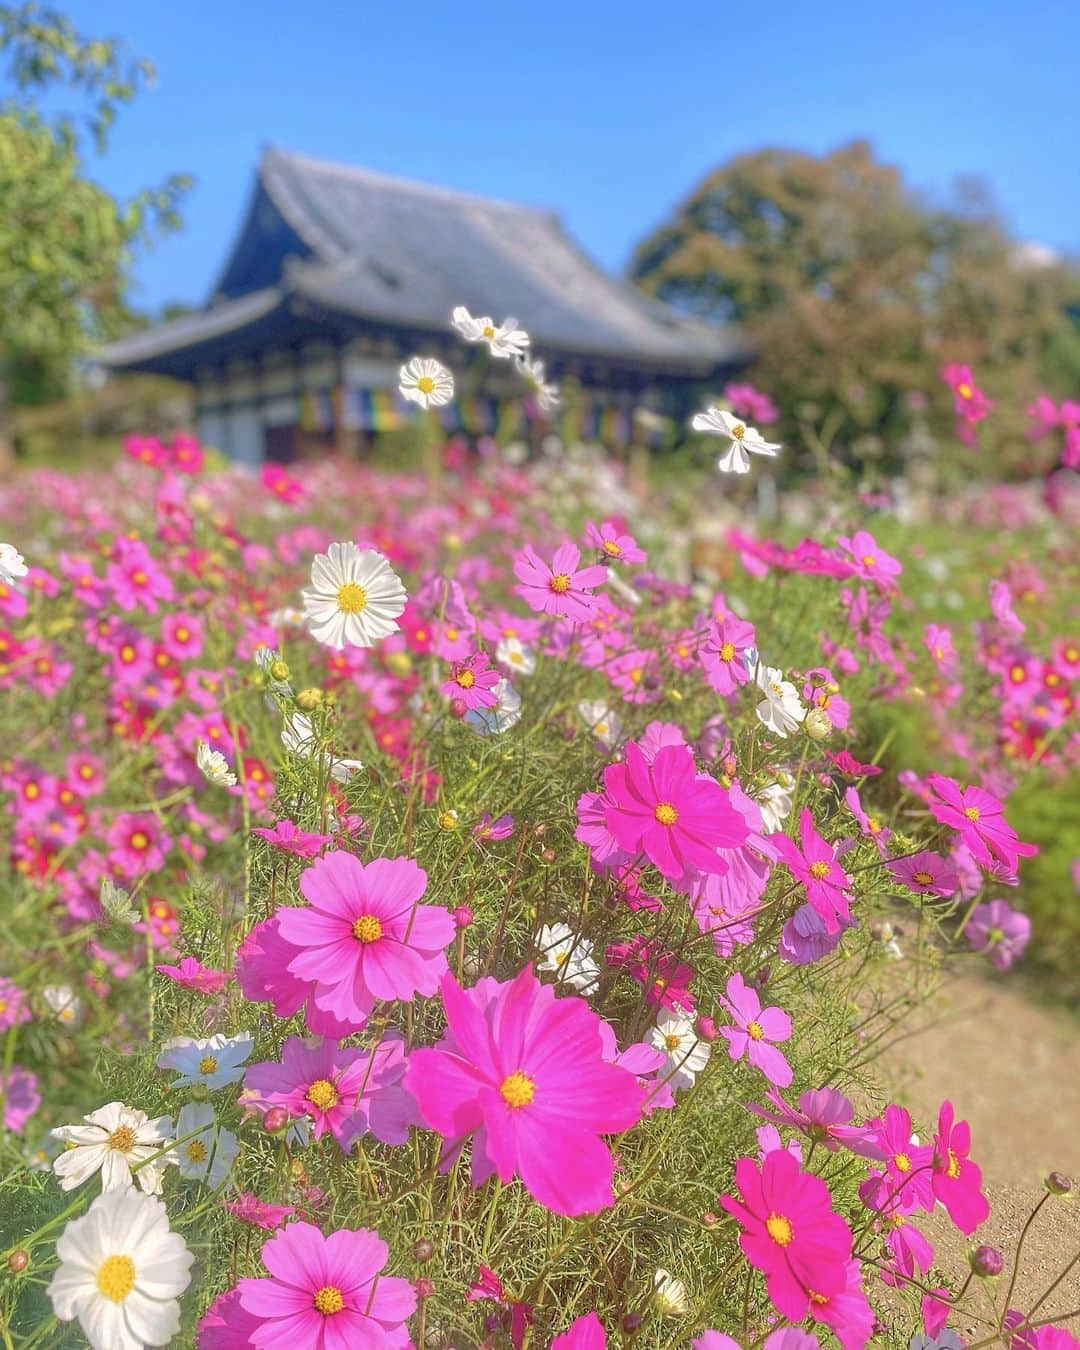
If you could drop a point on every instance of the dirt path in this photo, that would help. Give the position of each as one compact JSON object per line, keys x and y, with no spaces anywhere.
{"x":1012,"y":1069}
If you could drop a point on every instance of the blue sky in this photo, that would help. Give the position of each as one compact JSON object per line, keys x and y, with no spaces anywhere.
{"x":608,"y":112}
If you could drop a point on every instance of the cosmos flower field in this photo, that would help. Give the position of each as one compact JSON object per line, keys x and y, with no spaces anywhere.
{"x":438,"y":917}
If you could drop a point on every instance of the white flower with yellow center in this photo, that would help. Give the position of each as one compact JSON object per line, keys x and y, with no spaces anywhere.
{"x":503,"y":339}
{"x":505,"y":714}
{"x":426,"y":381}
{"x":121,"y":1272}
{"x":209,"y":1153}
{"x":512,"y":652}
{"x":776,"y":800}
{"x":568,"y":957}
{"x":63,"y":1002}
{"x":112,"y":1140}
{"x":781,"y":710}
{"x":686,"y":1054}
{"x":12,"y":564}
{"x":669,"y":1294}
{"x":355,"y":597}
{"x":719,"y":422}
{"x":547,"y":395}
{"x":214,"y":1062}
{"x":601,"y":721}
{"x":213,"y":766}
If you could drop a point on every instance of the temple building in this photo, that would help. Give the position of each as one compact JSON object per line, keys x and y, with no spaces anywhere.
{"x":339,"y":275}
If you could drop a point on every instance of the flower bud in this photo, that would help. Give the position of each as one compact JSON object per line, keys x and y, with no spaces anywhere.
{"x":448,"y":820}
{"x":1057,"y":1183}
{"x":540,"y":830}
{"x":276,"y":1120}
{"x":18,"y":1261}
{"x":818,"y":724}
{"x":458,"y":708}
{"x":423,"y":1249}
{"x":986,"y":1261}
{"x":279,"y":670}
{"x":705,"y":1029}
{"x":631,"y":1322}
{"x":309,"y":699}
{"x":548,"y":855}
{"x":708,"y":1218}
{"x":424,"y":1287}
{"x":462,"y":916}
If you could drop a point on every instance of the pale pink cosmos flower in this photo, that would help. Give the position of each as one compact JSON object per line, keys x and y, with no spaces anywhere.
{"x":615,"y":545}
{"x":754,"y":1030}
{"x":815,"y":865}
{"x":926,"y":873}
{"x":561,"y":587}
{"x":287,"y":837}
{"x":192,"y":974}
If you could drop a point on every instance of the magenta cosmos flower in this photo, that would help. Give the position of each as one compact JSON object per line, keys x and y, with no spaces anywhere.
{"x":824,"y":1115}
{"x":665,"y":809}
{"x":978,"y":817}
{"x":816,"y":867}
{"x":790,"y":1231}
{"x":723,"y":651}
{"x":192,"y":974}
{"x":365,"y":937}
{"x":926,"y":873}
{"x":328,"y":1293}
{"x":524,"y":1073}
{"x":755,"y":1027}
{"x":957,"y":1181}
{"x":613,"y":543}
{"x":1000,"y":931}
{"x":286,"y":836}
{"x":586,"y":1333}
{"x":472,"y":682}
{"x":869,"y":559}
{"x":561,"y":588}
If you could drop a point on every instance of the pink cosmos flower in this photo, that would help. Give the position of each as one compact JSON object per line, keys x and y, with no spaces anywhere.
{"x":969,"y":401}
{"x":677,"y":817}
{"x":939,"y":643}
{"x":343,"y":1090}
{"x":328,"y":1293}
{"x":850,"y":767}
{"x":135,"y":578}
{"x":263,"y":976}
{"x":286,"y":836}
{"x":192,"y":974}
{"x":472,"y":682}
{"x":494,"y":830}
{"x":1000,"y":931}
{"x":14,"y":1006}
{"x":137,"y":843}
{"x":1038,"y":1338}
{"x":281,"y":483}
{"x":755,"y":1027}
{"x":956,"y":1180}
{"x":585,"y":1333}
{"x":978,"y":818}
{"x":365,"y":936}
{"x":20,"y":1096}
{"x":790,"y":1231}
{"x":561,"y":588}
{"x":787,"y":1338}
{"x":664,"y":977}
{"x":722,"y":654}
{"x":907,"y":1178}
{"x":869,"y":559}
{"x":824,"y":1115}
{"x":613,"y":543}
{"x":1001,"y":607}
{"x":225,"y":1325}
{"x":750,"y":403}
{"x":815,"y":865}
{"x":926,"y":873}
{"x":248,"y":1208}
{"x":520,"y":1070}
{"x":847,"y":1311}
{"x":515,"y":1316}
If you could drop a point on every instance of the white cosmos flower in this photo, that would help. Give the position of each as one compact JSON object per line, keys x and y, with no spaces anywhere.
{"x":426,"y":381}
{"x":669,"y":1294}
{"x":781,"y":710}
{"x":110,"y":1140}
{"x":505,"y":714}
{"x":213,"y":766}
{"x":121,"y":1272}
{"x":354,"y":598}
{"x":503,"y":339}
{"x":64,"y":1002}
{"x":775,"y":800}
{"x":298,"y":736}
{"x":210,"y":1154}
{"x":214,"y":1062}
{"x":601,"y":721}
{"x":686,"y":1054}
{"x":719,"y":422}
{"x":12,"y":564}
{"x":512,"y":652}
{"x":568,"y":956}
{"x":547,"y":395}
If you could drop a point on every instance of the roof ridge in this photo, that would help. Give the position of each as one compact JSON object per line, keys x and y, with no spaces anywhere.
{"x":298,"y":159}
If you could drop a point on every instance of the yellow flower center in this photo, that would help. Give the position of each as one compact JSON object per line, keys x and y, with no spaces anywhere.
{"x":196,"y":1151}
{"x":754,"y":1031}
{"x":819,"y":869}
{"x":116,"y":1278}
{"x":139,"y":840}
{"x":466,"y":679}
{"x":328,"y":1300}
{"x":665,"y":813}
{"x":367,"y":928}
{"x":972,"y":812}
{"x":901,"y":1162}
{"x":323,"y":1094}
{"x":208,"y":1064}
{"x":518,"y":1089}
{"x":122,"y":1139}
{"x":923,"y":878}
{"x":560,"y":583}
{"x":727,"y":651}
{"x":953,"y":1168}
{"x":779,"y":1229}
{"x":964,"y":390}
{"x":612,"y":548}
{"x":351,"y":598}
{"x":868,"y":560}
{"x":672,"y":1042}
{"x":425,"y":384}
{"x":738,"y":431}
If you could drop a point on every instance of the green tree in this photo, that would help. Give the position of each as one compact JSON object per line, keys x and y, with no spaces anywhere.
{"x":66,"y":244}
{"x":856,"y":290}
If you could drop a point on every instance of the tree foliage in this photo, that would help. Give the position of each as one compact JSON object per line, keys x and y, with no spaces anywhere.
{"x":66,"y":243}
{"x":855,"y":289}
